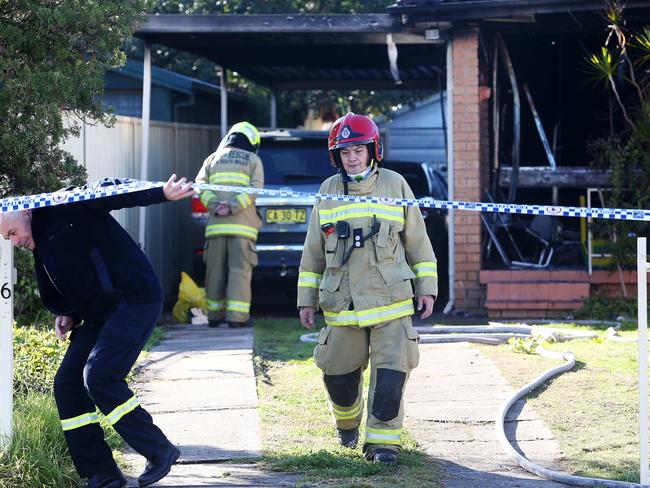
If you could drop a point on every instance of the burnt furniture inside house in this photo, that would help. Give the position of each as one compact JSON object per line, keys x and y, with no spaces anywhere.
{"x":543,"y":117}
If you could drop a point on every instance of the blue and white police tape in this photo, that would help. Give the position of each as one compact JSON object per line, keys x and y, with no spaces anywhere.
{"x":599,"y":213}
{"x":12,"y":204}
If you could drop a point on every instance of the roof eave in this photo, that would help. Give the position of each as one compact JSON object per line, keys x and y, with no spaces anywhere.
{"x":477,"y":10}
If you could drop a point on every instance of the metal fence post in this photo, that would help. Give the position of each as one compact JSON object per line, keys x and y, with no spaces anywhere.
{"x":642,"y":304}
{"x":146,"y":123}
{"x":7,"y":280}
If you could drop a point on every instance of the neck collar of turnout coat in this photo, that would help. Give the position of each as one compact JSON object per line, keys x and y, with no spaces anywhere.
{"x":363,"y":187}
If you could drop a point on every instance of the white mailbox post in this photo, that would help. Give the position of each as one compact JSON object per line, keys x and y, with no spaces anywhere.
{"x":642,"y":305}
{"x":7,"y":281}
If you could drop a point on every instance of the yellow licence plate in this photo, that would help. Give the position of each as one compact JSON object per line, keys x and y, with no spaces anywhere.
{"x":286,"y":215}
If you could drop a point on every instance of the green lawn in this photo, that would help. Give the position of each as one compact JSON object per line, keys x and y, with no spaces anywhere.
{"x":298,"y":434}
{"x":593,"y":409}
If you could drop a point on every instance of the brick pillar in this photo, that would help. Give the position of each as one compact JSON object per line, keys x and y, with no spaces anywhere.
{"x":470,"y":166}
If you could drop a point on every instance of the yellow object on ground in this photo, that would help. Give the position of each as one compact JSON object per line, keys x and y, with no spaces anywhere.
{"x":189,"y":295}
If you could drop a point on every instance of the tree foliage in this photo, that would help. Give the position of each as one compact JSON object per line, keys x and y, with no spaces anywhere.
{"x":271,"y":6}
{"x":621,"y":65}
{"x":53,"y":55}
{"x":292,"y":106}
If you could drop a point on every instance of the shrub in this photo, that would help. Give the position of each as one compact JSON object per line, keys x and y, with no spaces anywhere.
{"x":37,"y":355}
{"x":28,"y":309}
{"x":598,"y":308}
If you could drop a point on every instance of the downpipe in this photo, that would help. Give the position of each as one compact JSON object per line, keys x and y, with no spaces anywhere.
{"x":450,"y":180}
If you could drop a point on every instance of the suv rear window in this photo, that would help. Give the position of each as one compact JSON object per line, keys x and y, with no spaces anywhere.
{"x":285,"y":164}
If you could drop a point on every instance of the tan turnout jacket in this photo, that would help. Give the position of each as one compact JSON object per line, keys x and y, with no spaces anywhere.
{"x":374,"y":286}
{"x":233,"y":167}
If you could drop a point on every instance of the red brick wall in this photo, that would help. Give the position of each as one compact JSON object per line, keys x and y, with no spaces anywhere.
{"x":549,"y":293}
{"x":470,"y":166}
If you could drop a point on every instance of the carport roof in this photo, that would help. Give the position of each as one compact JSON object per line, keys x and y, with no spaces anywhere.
{"x":287,"y":52}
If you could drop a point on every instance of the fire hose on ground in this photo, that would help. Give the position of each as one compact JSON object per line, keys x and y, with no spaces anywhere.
{"x":495,"y":334}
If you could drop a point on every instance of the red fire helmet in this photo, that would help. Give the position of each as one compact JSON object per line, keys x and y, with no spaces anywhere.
{"x":352,"y":130}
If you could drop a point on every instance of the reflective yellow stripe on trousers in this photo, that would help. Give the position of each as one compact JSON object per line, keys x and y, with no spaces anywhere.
{"x":383,"y":436}
{"x":371,"y":316}
{"x":230,"y":230}
{"x":347,"y":413}
{"x":79,"y":421}
{"x":237,"y":306}
{"x":216,"y":305}
{"x":309,"y":280}
{"x":121,"y":410}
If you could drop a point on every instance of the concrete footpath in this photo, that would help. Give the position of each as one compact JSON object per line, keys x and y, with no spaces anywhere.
{"x":199,"y":385}
{"x":452,"y":400}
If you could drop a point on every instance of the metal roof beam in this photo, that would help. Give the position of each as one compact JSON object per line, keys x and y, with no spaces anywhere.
{"x":353,"y":85}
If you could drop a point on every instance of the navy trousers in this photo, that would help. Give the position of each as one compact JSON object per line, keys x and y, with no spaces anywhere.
{"x":93,"y":374}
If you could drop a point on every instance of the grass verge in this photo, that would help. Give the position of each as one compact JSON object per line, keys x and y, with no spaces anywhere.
{"x":592,"y":409}
{"x":298,"y":433}
{"x":37,"y":455}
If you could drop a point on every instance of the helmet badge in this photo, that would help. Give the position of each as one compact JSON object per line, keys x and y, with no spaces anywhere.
{"x":345,"y":133}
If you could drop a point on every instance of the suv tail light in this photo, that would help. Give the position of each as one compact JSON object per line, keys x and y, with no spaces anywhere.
{"x":197,"y":206}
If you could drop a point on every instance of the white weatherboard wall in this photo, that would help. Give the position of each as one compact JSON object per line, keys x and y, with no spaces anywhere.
{"x":417,"y":133}
{"x":173,"y":148}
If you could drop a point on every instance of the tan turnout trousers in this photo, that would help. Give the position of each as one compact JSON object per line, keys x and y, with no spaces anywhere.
{"x":343,"y":354}
{"x":228,"y":277}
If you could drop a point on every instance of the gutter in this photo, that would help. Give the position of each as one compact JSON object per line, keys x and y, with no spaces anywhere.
{"x":486,"y":9}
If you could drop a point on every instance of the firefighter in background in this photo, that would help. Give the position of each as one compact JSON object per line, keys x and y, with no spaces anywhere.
{"x":359,"y":266}
{"x":232,"y":227}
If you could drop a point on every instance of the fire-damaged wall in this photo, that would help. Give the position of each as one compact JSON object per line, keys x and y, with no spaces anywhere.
{"x":558,"y":113}
{"x":523,"y":93}
{"x":499,"y":149}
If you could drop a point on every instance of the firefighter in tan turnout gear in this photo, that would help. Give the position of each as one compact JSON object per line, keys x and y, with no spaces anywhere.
{"x":232,"y":227}
{"x":360,"y":263}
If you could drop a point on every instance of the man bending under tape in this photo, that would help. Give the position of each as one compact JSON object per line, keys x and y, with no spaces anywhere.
{"x":89,"y":269}
{"x":359,"y":262}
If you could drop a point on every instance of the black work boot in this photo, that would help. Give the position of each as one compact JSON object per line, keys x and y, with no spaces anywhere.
{"x":112,"y":479}
{"x":214,"y":323}
{"x":349,"y":437}
{"x":382,"y":456}
{"x":237,"y":325}
{"x":159,"y":467}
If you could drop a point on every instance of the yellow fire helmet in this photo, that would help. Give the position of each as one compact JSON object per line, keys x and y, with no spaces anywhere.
{"x":248,"y":130}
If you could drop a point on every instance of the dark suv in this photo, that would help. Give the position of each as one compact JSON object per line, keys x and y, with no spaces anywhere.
{"x":299,"y":160}
{"x":426,"y":181}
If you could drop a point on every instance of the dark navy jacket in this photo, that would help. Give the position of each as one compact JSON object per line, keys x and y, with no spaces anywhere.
{"x":87,"y":265}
